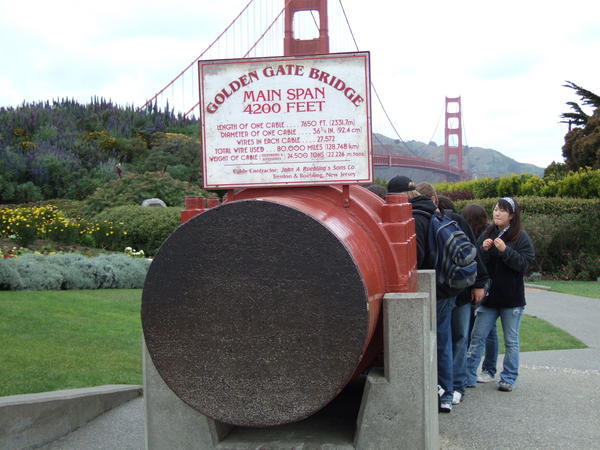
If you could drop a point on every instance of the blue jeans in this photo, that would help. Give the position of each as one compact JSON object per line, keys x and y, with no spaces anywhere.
{"x":491,"y":352}
{"x":485,"y":318}
{"x":491,"y":346}
{"x":444,"y":346}
{"x":461,"y":316}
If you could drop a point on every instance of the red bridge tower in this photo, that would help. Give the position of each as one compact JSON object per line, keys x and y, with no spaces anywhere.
{"x":453,"y":128}
{"x":298,"y":47}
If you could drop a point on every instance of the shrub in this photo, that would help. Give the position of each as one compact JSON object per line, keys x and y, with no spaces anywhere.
{"x":532,"y":186}
{"x":73,"y":209}
{"x":132,"y":189}
{"x":508,"y":186}
{"x":585,"y":183}
{"x":147,"y":226}
{"x":48,"y":222}
{"x":581,"y":267}
{"x":130,"y":273}
{"x":485,"y":188}
{"x":72,"y":268}
{"x":72,"y":271}
{"x":27,"y":192}
{"x":35,"y":272}
{"x":9,"y":276}
{"x":43,"y":222}
{"x":183,"y":173}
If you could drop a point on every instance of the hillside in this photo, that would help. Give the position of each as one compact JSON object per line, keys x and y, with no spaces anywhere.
{"x":63,"y":149}
{"x":480,"y":162}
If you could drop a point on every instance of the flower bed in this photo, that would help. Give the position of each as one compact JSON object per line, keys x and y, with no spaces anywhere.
{"x":24,"y":225}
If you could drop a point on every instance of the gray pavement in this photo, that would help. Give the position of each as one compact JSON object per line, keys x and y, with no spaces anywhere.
{"x":554,"y":406}
{"x":578,"y":316}
{"x":556,"y":401}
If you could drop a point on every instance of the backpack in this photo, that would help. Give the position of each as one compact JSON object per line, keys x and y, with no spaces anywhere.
{"x":451,"y":252}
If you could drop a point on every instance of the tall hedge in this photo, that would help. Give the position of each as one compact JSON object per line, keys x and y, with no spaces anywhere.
{"x":540,"y":205}
{"x":583,"y":183}
{"x":564,"y":232}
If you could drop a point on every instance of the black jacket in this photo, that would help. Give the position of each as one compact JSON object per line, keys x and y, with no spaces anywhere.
{"x":421,"y":229}
{"x":507,"y":270}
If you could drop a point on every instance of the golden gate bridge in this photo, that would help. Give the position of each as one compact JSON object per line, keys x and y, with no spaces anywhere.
{"x":303,"y":27}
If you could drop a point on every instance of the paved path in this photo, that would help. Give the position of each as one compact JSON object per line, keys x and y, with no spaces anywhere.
{"x":555,"y":405}
{"x":578,"y":316}
{"x":556,"y":402}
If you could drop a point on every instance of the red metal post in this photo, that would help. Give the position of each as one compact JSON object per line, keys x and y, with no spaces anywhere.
{"x":298,"y":47}
{"x":451,"y":130}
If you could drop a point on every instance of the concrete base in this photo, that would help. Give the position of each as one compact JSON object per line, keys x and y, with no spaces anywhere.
{"x":31,"y":420}
{"x":399,"y":407}
{"x":396,"y":409}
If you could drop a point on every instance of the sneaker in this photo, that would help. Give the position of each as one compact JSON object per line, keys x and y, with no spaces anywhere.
{"x":445,"y":407}
{"x":456,"y":398}
{"x":505,"y":387}
{"x":485,"y":377}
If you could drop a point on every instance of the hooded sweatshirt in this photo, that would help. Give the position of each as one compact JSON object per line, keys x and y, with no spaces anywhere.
{"x":422,"y":228}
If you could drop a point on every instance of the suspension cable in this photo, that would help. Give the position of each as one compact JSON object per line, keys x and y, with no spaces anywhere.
{"x":373,"y":86}
{"x":436,"y":125}
{"x":195,"y":60}
{"x":268,"y":28}
{"x":253,"y":46}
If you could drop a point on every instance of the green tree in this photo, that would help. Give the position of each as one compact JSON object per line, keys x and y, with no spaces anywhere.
{"x":582,"y":143}
{"x":556,"y":171}
{"x":588,"y":98}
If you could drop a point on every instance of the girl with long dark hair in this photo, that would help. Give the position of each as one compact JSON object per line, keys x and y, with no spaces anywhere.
{"x":507,"y":251}
{"x":477,"y":218}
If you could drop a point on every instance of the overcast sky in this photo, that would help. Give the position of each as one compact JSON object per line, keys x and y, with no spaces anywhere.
{"x":507,"y":60}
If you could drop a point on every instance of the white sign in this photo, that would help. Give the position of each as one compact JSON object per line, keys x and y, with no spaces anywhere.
{"x":286,"y":121}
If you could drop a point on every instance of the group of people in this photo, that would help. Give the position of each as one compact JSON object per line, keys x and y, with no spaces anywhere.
{"x":466,"y":320}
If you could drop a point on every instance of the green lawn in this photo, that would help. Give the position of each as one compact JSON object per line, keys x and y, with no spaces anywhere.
{"x":68,"y":339}
{"x":538,"y":335}
{"x":583,"y":288}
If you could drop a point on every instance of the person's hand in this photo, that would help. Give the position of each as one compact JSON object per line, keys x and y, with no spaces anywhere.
{"x":477,"y":294}
{"x":500,"y":245}
{"x":487,"y":244}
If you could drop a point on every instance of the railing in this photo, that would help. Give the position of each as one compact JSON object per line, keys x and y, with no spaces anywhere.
{"x":419,"y":163}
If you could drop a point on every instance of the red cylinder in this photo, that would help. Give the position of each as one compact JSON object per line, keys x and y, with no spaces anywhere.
{"x":258,"y":312}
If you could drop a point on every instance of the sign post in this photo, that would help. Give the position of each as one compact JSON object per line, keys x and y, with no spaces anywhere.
{"x":286,"y":121}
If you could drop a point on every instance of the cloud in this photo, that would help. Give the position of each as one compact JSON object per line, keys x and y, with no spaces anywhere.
{"x":10,"y":92}
{"x":507,"y":66}
{"x":508,"y":61}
